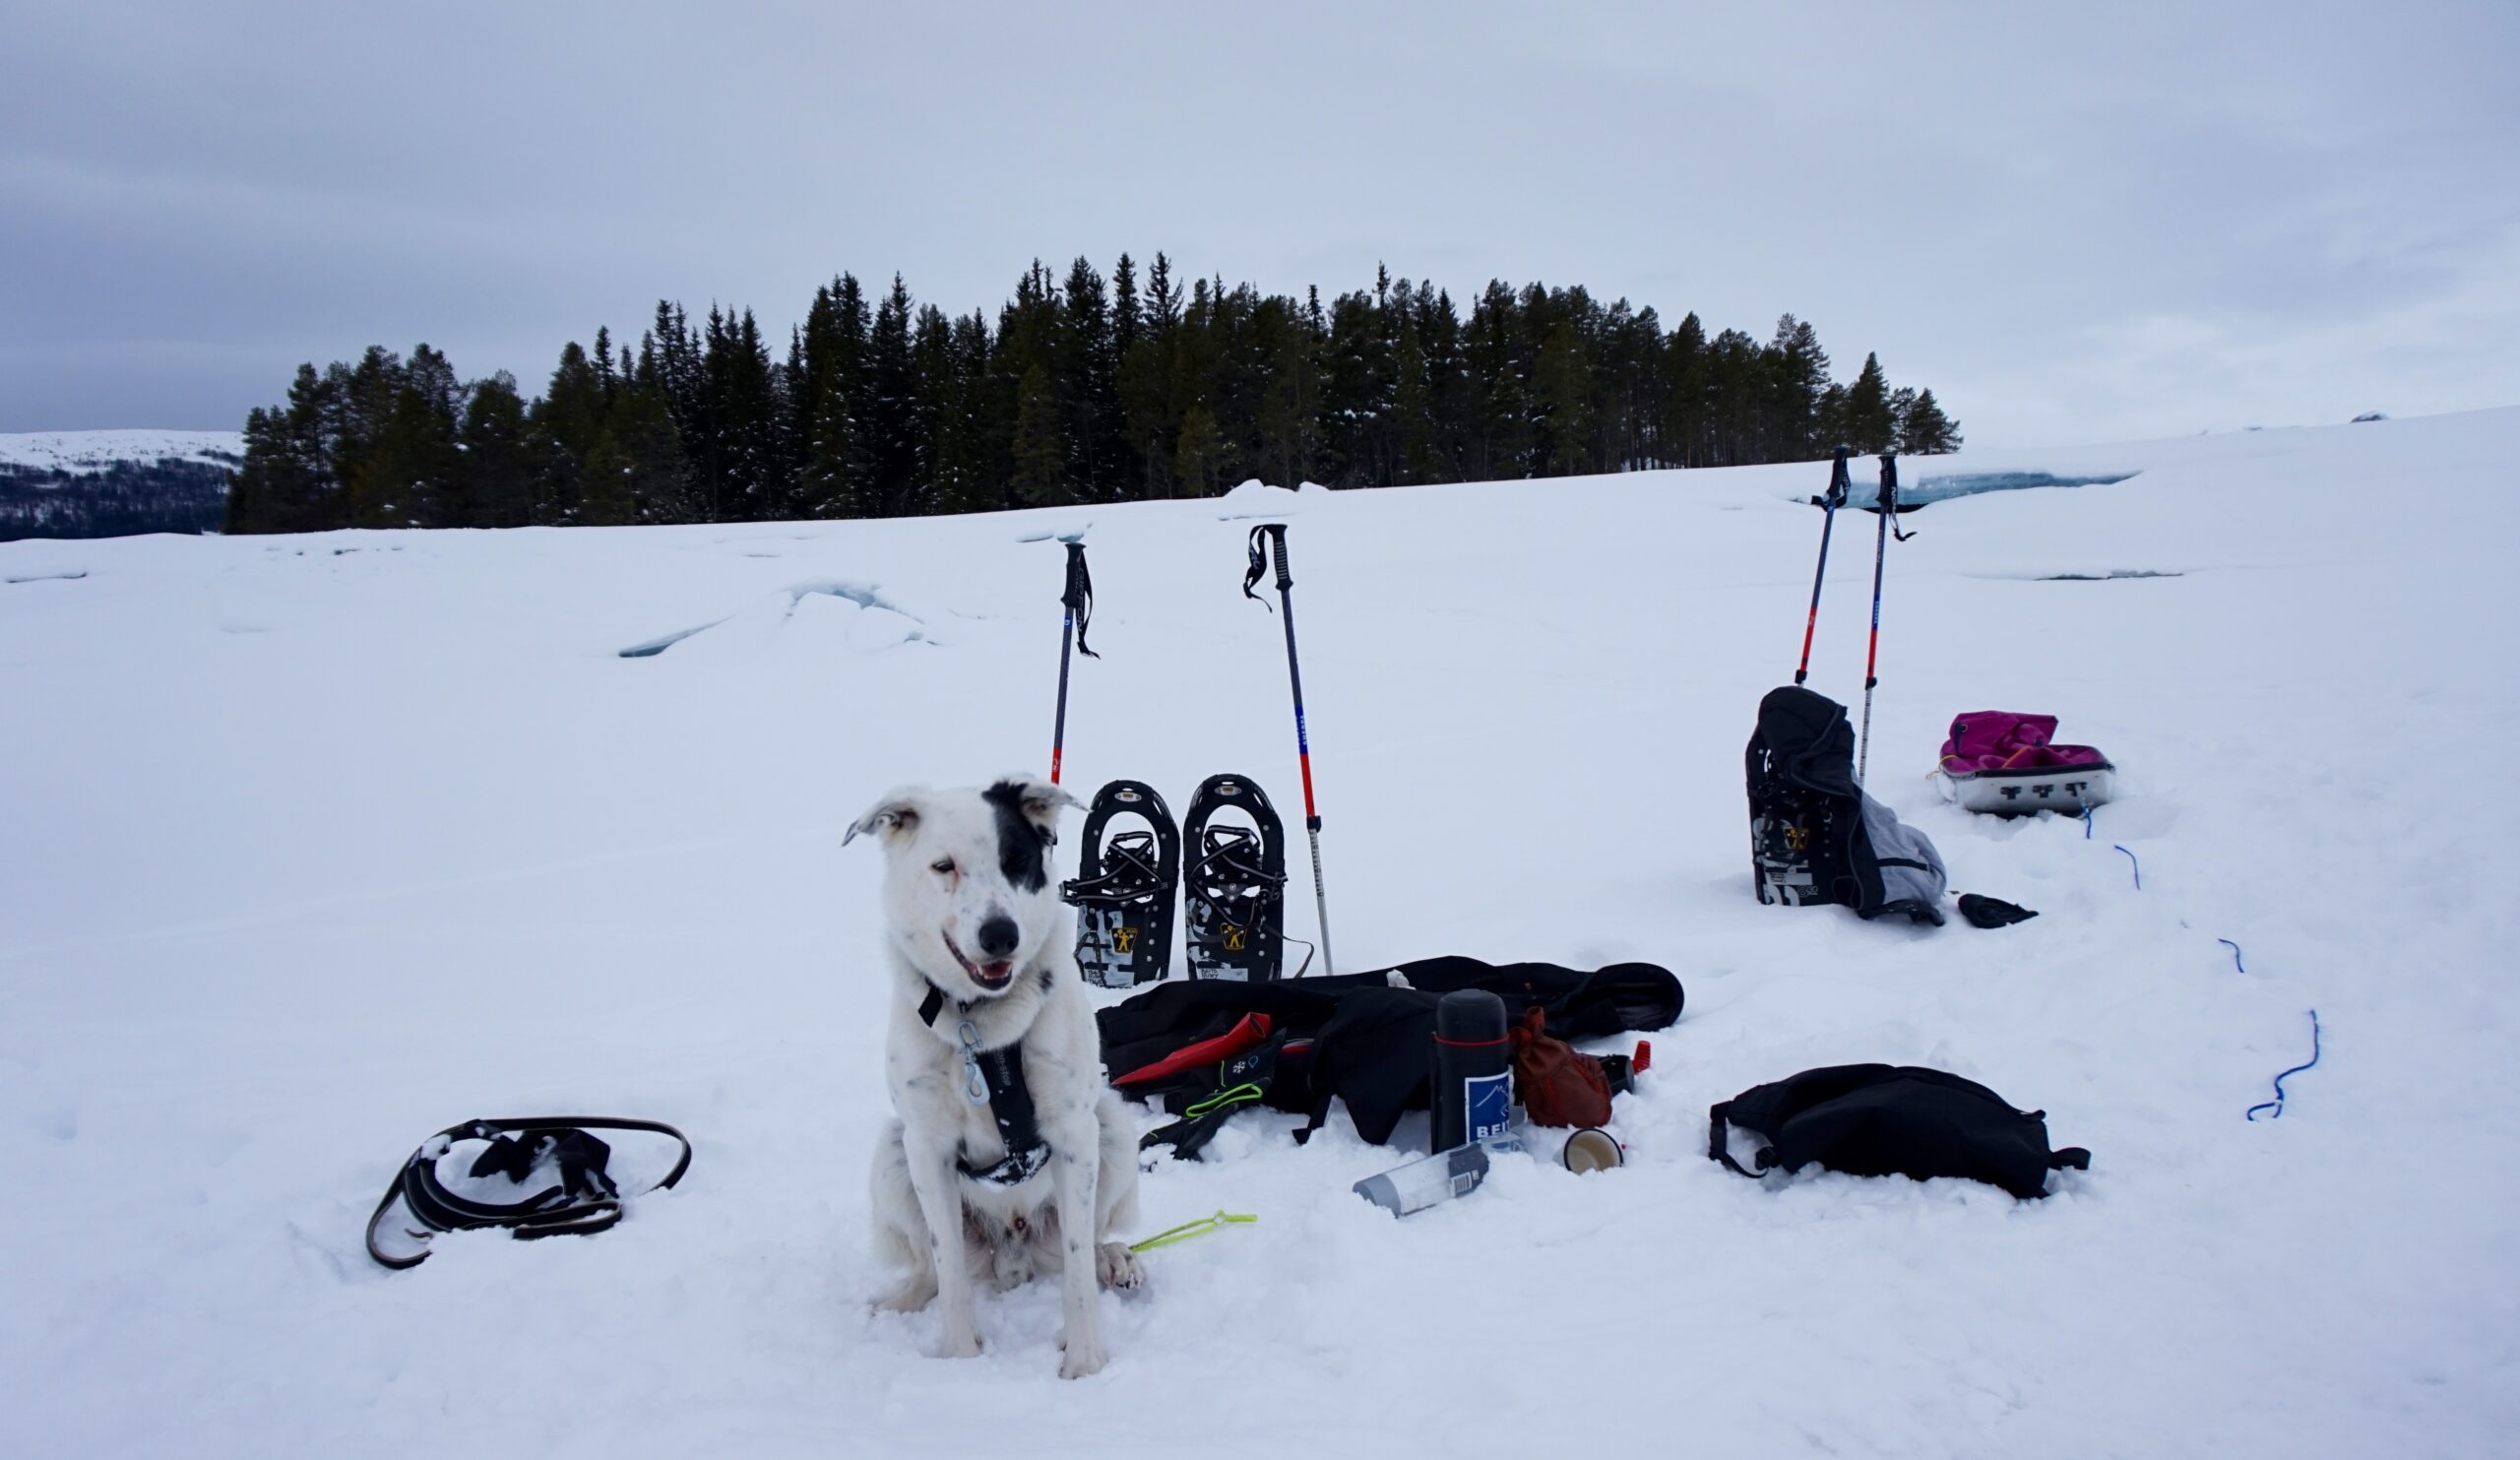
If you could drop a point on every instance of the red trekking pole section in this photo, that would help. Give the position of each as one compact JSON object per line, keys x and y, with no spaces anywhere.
{"x":1872,"y":651}
{"x":1838,"y":485}
{"x":1276,"y":533}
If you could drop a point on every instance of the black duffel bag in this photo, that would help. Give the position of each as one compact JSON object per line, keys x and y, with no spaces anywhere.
{"x":1892,"y":1121}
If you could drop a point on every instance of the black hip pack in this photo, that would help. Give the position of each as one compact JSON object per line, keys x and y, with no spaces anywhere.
{"x":1893,"y":1121}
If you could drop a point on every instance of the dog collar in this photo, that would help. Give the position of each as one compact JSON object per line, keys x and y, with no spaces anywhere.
{"x":995,"y":1076}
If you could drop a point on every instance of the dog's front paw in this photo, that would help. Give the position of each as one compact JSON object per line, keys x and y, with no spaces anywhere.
{"x":1083,"y":1357}
{"x":1118,"y":1266}
{"x":963,"y":1345}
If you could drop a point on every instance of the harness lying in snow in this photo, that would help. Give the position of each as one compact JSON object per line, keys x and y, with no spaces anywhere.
{"x":582,"y":1199}
{"x":2003,"y":764}
{"x":994,"y":1076}
{"x":1207,"y":1049}
{"x":1892,"y":1121}
{"x":1815,"y":837}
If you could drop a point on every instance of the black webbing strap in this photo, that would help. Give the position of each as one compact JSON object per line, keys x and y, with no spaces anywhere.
{"x":1079,"y":596}
{"x":1717,"y":1119}
{"x":582,"y":1201}
{"x":1890,"y":496}
{"x":1260,"y":561}
{"x":1010,"y":1100}
{"x":1232,"y":858}
{"x":1132,"y":875}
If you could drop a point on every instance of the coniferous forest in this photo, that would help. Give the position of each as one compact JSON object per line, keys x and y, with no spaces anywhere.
{"x":1085,"y":389}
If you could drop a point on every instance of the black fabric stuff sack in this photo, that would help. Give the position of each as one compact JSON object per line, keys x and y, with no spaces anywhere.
{"x":1887,"y":1120}
{"x":1815,"y":837}
{"x":1362,"y":1039}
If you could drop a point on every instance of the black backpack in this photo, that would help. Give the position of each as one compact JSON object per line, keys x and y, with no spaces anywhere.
{"x":1815,"y":837}
{"x":1893,"y":1121}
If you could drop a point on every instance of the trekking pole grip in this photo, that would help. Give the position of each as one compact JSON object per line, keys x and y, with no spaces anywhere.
{"x":1277,"y":531}
{"x":1073,"y":595}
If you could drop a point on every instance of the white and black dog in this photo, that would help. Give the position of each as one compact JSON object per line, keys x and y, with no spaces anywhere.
{"x":985,"y":990}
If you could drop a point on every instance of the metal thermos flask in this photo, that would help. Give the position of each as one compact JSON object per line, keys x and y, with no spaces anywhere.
{"x":1473,"y":1095}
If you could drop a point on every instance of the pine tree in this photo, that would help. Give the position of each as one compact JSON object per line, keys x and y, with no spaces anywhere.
{"x":1146,"y":370}
{"x":287,"y":482}
{"x":561,"y":428}
{"x":610,"y":382}
{"x":1196,"y":452}
{"x":498,"y":462}
{"x":1689,"y":422}
{"x":1799,"y":374}
{"x":1924,"y":431}
{"x":1412,"y":393}
{"x":636,"y":472}
{"x":1089,"y":366}
{"x":1871,"y":427}
{"x":1041,"y":456}
{"x":892,"y":413}
{"x":1351,"y":395}
{"x":1288,"y":423}
{"x":969,"y":478}
{"x":837,"y":468}
{"x":1500,"y":440}
{"x":410,"y":477}
{"x":747,"y":406}
{"x":1737,"y":392}
{"x":1563,"y":389}
{"x":1448,"y":400}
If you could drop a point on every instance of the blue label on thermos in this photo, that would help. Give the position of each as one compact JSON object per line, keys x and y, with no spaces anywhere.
{"x":1488,"y":1103}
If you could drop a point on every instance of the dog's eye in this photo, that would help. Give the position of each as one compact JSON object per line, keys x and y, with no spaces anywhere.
{"x":942,"y":864}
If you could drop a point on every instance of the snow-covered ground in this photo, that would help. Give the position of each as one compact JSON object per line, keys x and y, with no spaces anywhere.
{"x":85,"y":453}
{"x":316,"y":845}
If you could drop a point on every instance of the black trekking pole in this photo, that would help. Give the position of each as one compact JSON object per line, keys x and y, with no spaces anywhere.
{"x":1838,"y":485}
{"x":1277,"y":535}
{"x":1872,"y":654}
{"x":1077,"y":598}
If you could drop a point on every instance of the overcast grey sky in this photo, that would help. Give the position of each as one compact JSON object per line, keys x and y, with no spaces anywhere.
{"x":2075,"y":224}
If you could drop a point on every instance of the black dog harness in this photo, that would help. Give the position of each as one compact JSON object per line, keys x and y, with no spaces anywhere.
{"x":995,"y":1076}
{"x":582,"y":1200}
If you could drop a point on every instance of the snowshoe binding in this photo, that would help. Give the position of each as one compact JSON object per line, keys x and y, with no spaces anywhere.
{"x":1124,"y":888}
{"x":1234,"y":890}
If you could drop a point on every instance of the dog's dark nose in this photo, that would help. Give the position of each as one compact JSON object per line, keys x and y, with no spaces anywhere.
{"x":998,"y":937}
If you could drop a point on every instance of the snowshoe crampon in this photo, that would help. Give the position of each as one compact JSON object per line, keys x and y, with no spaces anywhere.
{"x":1234,"y":888}
{"x":1790,"y":840}
{"x":1124,"y":888}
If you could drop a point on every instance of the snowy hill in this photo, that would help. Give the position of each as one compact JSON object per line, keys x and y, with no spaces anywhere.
{"x":114,"y":484}
{"x":87,"y":452}
{"x":320,"y":844}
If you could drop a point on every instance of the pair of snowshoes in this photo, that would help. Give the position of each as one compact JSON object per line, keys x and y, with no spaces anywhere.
{"x":1231,"y":889}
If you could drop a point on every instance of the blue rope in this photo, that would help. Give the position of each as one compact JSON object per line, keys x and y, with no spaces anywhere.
{"x":2276,"y":1104}
{"x":2139,"y":868}
{"x":2236,"y":954}
{"x":2086,"y":823}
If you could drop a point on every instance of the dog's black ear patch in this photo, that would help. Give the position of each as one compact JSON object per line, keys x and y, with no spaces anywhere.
{"x":1022,"y":847}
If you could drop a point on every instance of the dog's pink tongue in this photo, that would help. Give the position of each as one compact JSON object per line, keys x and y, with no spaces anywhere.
{"x":998,"y":971}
